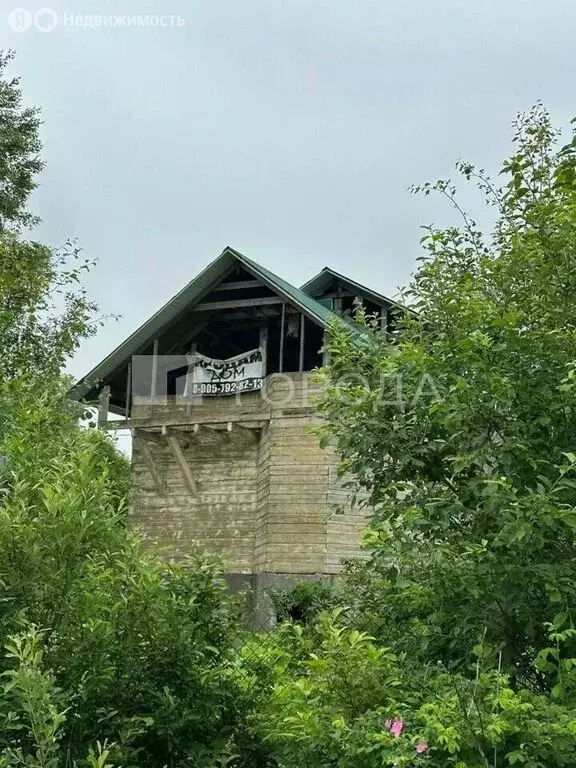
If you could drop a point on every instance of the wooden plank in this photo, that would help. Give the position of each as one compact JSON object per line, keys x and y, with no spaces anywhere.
{"x":245,"y":427}
{"x":237,"y":285}
{"x":264,"y":346}
{"x":207,"y":306}
{"x":103,"y":405}
{"x":128,"y":390}
{"x":149,"y":461}
{"x":259,"y":420}
{"x":282,"y":331}
{"x":191,"y":332}
{"x":301,"y":361}
{"x":384,"y":318}
{"x":154,"y":372}
{"x":151,"y":437}
{"x":181,"y":459}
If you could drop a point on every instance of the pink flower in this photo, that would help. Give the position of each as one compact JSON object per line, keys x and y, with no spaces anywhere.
{"x":422,"y":746}
{"x":395,"y":726}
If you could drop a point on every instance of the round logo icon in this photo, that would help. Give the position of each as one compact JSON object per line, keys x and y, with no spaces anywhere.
{"x":20,"y":20}
{"x":45,"y":19}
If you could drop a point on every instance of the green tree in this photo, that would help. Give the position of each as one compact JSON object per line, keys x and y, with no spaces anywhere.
{"x":462,"y":428}
{"x":44,"y":310}
{"x":20,"y":147}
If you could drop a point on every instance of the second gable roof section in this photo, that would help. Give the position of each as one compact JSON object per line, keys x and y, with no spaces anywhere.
{"x":318,"y":284}
{"x":190,"y":295}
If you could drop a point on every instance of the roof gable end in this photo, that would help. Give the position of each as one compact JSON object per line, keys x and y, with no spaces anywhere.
{"x":214,"y":278}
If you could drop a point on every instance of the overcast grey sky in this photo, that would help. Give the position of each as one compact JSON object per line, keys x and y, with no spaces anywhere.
{"x":289,"y":130}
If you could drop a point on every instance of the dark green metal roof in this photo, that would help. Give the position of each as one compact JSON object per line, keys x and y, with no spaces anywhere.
{"x":318,"y":284}
{"x":190,"y":295}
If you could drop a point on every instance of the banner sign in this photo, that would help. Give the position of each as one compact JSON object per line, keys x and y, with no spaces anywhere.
{"x":207,"y":376}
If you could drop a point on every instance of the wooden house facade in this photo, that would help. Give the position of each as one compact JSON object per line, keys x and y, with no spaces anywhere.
{"x":218,"y":391}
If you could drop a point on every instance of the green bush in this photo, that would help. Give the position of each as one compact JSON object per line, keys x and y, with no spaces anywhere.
{"x":335,"y":698}
{"x":302,"y":601}
{"x":138,"y":649}
{"x":459,"y":429}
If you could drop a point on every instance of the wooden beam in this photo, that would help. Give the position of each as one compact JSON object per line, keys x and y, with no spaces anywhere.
{"x":281,"y":353}
{"x":239,"y":284}
{"x":178,"y":420}
{"x":209,"y":305}
{"x":149,"y":461}
{"x":103,"y":404}
{"x":154,"y":372}
{"x":269,"y":312}
{"x":336,"y":294}
{"x":254,"y":432}
{"x":128,"y":390}
{"x":191,"y":332}
{"x":184,"y":466}
{"x":151,"y":437}
{"x":218,"y":432}
{"x":384,"y":318}
{"x":301,"y":360}
{"x":264,"y":346}
{"x":198,"y":429}
{"x":166,"y":430}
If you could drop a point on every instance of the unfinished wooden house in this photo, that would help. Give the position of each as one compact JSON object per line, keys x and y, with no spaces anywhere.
{"x":217,"y":388}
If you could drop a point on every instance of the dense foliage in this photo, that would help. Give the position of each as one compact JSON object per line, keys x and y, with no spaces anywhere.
{"x":20,"y":148}
{"x":137,"y":649}
{"x":330,"y":695}
{"x":461,"y":430}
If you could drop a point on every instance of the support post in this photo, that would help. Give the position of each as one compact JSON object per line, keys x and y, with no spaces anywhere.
{"x":103,"y":404}
{"x":128,"y":390}
{"x":301,"y":361}
{"x":384,"y":318}
{"x":282,"y":329}
{"x":154,"y":372}
{"x":149,"y":461}
{"x":264,"y":346}
{"x":150,"y":437}
{"x":181,"y":459}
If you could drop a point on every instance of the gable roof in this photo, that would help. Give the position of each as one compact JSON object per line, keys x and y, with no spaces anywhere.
{"x":320,"y":282}
{"x":190,"y":295}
